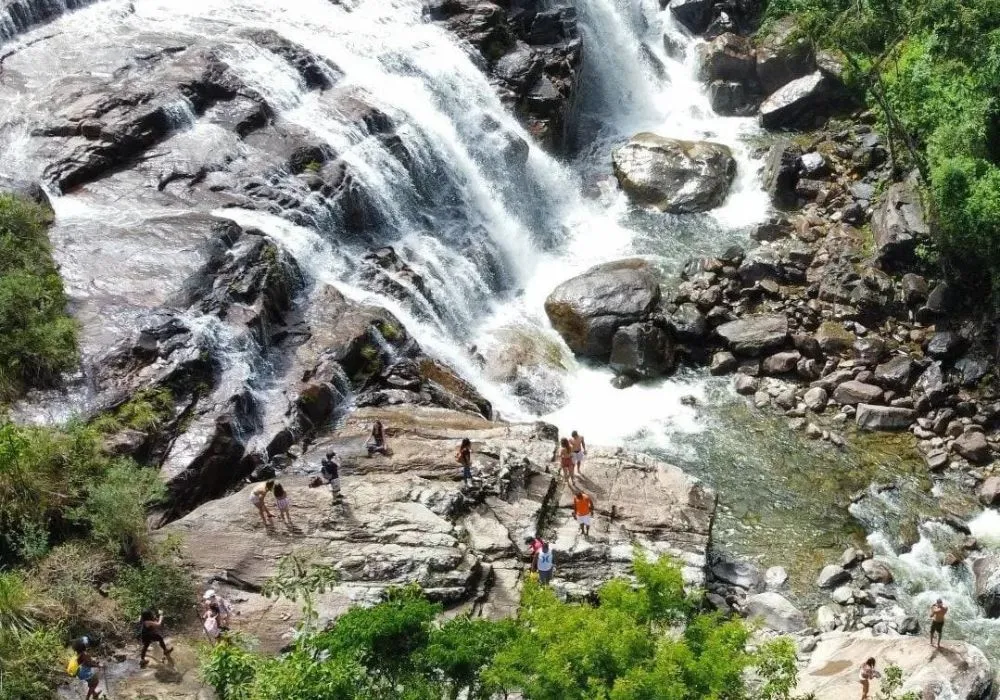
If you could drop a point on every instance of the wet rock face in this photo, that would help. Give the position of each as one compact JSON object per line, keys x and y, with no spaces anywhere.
{"x":642,"y":350}
{"x":672,"y":175}
{"x":534,"y":56}
{"x":783,"y":56}
{"x":587,"y":310}
{"x":407,"y":519}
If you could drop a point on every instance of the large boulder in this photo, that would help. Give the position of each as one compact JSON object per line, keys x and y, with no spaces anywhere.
{"x":899,"y":225}
{"x":642,"y":350}
{"x":673,"y":175}
{"x":755,"y":335}
{"x":802,"y":103}
{"x":887,"y":418}
{"x":776,"y":612}
{"x":695,"y":15}
{"x":895,"y":373}
{"x":960,"y":671}
{"x":974,"y":447}
{"x":854,"y":392}
{"x":783,"y":55}
{"x":588,"y":309}
{"x":986,"y":571}
{"x":781,"y":173}
{"x":727,"y":57}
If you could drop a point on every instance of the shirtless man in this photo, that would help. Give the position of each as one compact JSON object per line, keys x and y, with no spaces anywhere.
{"x":579,"y":447}
{"x":938,"y":611}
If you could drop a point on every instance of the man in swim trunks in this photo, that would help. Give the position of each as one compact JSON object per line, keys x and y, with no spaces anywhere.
{"x":938,"y":611}
{"x":579,"y":447}
{"x":583,"y":507}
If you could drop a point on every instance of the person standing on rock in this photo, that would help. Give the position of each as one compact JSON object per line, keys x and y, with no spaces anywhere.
{"x":284,"y":504}
{"x":534,"y":544}
{"x":330,"y":471}
{"x":583,"y":507}
{"x":376,"y":441}
{"x":866,"y":675}
{"x":579,"y":446}
{"x":151,"y":632}
{"x":257,"y":499}
{"x":544,"y":564}
{"x":938,"y":612}
{"x":566,"y":460}
{"x":464,"y":457}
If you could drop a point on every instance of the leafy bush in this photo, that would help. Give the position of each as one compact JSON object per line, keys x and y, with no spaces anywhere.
{"x":115,"y":507}
{"x":68,"y":582}
{"x":15,"y":615}
{"x":644,"y":640}
{"x":31,"y":664}
{"x":37,"y":338}
{"x":157,"y":585}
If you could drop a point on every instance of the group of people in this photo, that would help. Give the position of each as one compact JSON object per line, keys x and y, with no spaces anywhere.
{"x":868,"y":672}
{"x":214,"y":610}
{"x":281,"y":501}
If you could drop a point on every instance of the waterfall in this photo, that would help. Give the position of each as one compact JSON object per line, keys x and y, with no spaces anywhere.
{"x":18,"y":16}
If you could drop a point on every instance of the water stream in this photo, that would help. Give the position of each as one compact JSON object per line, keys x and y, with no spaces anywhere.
{"x":491,"y":243}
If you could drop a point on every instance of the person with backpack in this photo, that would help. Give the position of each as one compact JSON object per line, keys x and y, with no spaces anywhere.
{"x":544,"y":564}
{"x":83,"y":666}
{"x":464,"y":458}
{"x":150,"y":630}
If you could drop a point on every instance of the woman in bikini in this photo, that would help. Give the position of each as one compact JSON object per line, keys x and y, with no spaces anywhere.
{"x":865,"y":676}
{"x":566,"y":460}
{"x":257,"y":499}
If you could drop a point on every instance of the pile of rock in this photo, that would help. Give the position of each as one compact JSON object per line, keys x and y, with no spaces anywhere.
{"x":781,"y":76}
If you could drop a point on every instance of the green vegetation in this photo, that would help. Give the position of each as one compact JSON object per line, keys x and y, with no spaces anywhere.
{"x":73,"y":519}
{"x":641,"y":640}
{"x":37,"y":338}
{"x":931,"y":71}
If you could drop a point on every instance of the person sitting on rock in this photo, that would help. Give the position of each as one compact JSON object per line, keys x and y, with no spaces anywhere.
{"x":464,"y":457}
{"x":257,"y":499}
{"x":376,"y":441}
{"x":583,"y":508}
{"x":330,"y":472}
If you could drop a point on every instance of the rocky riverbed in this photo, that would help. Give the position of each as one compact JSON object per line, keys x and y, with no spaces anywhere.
{"x":247,"y":218}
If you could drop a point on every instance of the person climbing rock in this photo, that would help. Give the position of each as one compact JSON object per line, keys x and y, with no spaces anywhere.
{"x":376,"y":441}
{"x":257,"y":499}
{"x":544,"y":563}
{"x":566,"y":460}
{"x":225,"y":607}
{"x":151,"y":632}
{"x":583,"y":508}
{"x":210,"y":623}
{"x":330,"y":471}
{"x":579,"y":446}
{"x":938,"y":612}
{"x":464,"y":457}
{"x":866,"y":675}
{"x":283,"y":503}
{"x":87,"y":668}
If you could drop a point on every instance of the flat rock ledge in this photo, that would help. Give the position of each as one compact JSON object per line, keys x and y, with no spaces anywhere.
{"x":958,"y":670}
{"x":407,"y":519}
